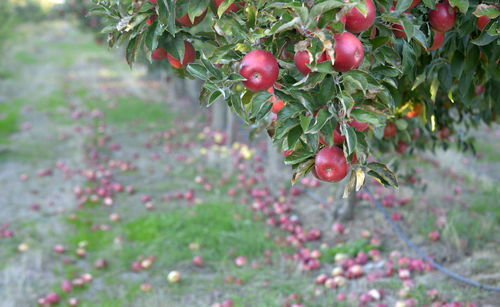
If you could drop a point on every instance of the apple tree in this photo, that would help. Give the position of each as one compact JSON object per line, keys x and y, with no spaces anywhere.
{"x":335,"y":83}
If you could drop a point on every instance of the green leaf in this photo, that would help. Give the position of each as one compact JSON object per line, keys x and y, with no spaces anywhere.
{"x":285,"y":126}
{"x":197,"y":8}
{"x":350,"y":137}
{"x":198,"y":70}
{"x":380,"y":172}
{"x":238,"y":106}
{"x":320,"y":120}
{"x":484,"y":39}
{"x":299,"y":156}
{"x":260,"y":101}
{"x":487,"y":10}
{"x":166,"y":14}
{"x":463,"y":5}
{"x":325,"y":6}
{"x":403,"y":5}
{"x":457,"y":64}
{"x":293,"y":136}
{"x":223,"y":7}
{"x":408,"y":28}
{"x":305,"y":121}
{"x":364,"y":116}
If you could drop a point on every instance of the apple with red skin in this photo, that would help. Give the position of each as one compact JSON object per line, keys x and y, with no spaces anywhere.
{"x":232,"y":8}
{"x":189,"y":57}
{"x":479,"y":89}
{"x":360,"y":127}
{"x":159,"y":54}
{"x":414,"y":4}
{"x":330,"y":164}
{"x":151,"y":19}
{"x":348,"y":52}
{"x":278,"y":104}
{"x":398,"y":31}
{"x":184,"y":21}
{"x":443,"y":17}
{"x":402,"y":147}
{"x":286,"y":153}
{"x":338,"y":139}
{"x":355,"y":22}
{"x":482,"y":22}
{"x":438,"y":40}
{"x":390,"y":130}
{"x":302,"y":58}
{"x":261,"y":70}
{"x":444,"y":133}
{"x":153,"y":1}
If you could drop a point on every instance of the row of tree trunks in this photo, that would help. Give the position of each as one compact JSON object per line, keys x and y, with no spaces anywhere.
{"x":222,"y":119}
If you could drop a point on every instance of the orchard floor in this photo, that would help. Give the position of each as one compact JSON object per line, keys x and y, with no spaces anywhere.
{"x":74,"y":117}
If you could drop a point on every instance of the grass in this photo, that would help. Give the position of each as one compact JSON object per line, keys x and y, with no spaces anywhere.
{"x":135,"y":112}
{"x":26,"y":58}
{"x":222,"y":230}
{"x":9,"y":118}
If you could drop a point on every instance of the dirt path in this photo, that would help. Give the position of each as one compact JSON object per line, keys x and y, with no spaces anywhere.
{"x":52,"y":66}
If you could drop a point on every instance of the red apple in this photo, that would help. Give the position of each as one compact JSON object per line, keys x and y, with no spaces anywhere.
{"x":189,"y":57}
{"x":159,"y":54}
{"x":355,"y":22}
{"x":390,"y":130}
{"x":479,"y":89}
{"x":402,"y":147}
{"x":151,"y":19}
{"x":330,"y":164}
{"x":360,"y":127}
{"x":302,"y":58}
{"x":348,"y":52}
{"x":261,"y":70}
{"x":482,"y":22}
{"x":398,"y":31}
{"x":438,"y":40}
{"x":443,"y":17}
{"x":184,"y":21}
{"x":414,"y":4}
{"x":198,"y":261}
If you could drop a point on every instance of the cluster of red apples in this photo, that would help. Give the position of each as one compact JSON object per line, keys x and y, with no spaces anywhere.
{"x":261,"y":69}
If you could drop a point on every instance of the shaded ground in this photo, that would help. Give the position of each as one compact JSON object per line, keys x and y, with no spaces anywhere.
{"x":86,"y":127}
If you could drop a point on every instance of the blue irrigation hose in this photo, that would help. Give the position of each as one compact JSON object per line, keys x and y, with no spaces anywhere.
{"x":415,"y":248}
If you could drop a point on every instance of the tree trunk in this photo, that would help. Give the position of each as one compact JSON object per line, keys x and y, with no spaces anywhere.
{"x":274,"y":164}
{"x":229,"y":127}
{"x":344,"y":207}
{"x":218,"y":114}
